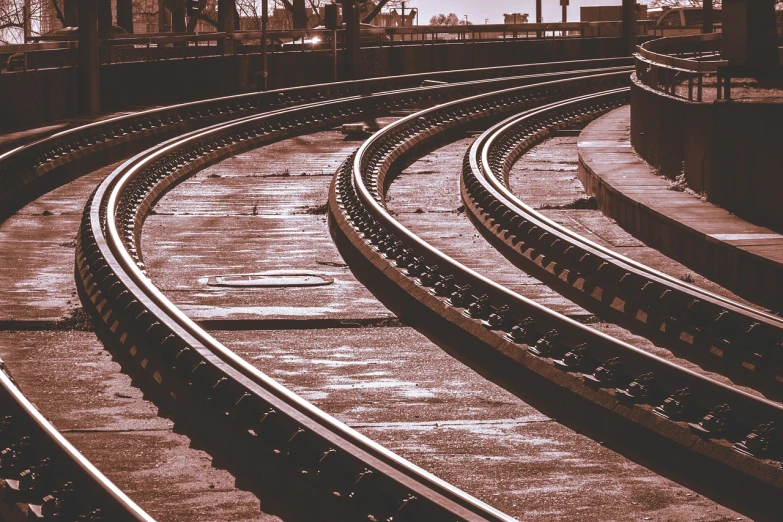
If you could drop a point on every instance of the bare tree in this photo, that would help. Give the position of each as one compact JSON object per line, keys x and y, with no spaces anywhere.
{"x":12,"y":20}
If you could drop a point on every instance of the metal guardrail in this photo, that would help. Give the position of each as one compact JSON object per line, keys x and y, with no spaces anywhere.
{"x":658,"y":67}
{"x":178,"y":45}
{"x":665,"y":64}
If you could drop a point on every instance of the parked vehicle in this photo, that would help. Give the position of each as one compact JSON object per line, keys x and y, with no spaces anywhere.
{"x":678,"y":21}
{"x":323,"y":39}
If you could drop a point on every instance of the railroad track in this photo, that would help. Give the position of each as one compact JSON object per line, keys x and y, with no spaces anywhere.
{"x":747,"y":342}
{"x":55,"y":478}
{"x":43,"y":477}
{"x":33,"y":169}
{"x":709,"y":434}
{"x":200,"y":377}
{"x":244,"y":413}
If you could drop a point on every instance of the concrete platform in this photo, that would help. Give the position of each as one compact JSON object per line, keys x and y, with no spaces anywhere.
{"x":745,"y":258}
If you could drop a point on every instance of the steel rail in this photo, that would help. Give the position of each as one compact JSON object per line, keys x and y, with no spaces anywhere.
{"x":102,"y":142}
{"x":105,"y":254}
{"x":483,"y":146}
{"x":662,"y":397}
{"x":489,"y":161}
{"x":94,"y":489}
{"x":73,"y":145}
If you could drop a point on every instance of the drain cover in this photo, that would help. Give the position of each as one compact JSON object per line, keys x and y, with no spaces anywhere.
{"x":271,"y":280}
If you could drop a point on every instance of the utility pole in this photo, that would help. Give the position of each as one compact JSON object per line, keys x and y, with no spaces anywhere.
{"x":539,"y":17}
{"x":163,"y":18}
{"x":104,"y":20}
{"x":402,"y":23}
{"x":264,"y":28}
{"x":89,"y":63}
{"x":125,"y":14}
{"x":749,"y":34}
{"x":629,"y":27}
{"x":352,"y":48}
{"x":226,"y":11}
{"x":27,"y":22}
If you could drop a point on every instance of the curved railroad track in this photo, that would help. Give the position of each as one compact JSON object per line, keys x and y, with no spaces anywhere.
{"x":747,"y":342}
{"x":207,"y":379}
{"x":705,"y":431}
{"x":56,"y":476}
{"x":251,"y":419}
{"x":43,"y":476}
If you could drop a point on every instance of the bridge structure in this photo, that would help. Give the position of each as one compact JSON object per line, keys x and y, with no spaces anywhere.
{"x":504,"y":272}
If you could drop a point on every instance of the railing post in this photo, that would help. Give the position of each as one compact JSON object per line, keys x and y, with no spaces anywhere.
{"x":539,"y":17}
{"x":226,"y":10}
{"x":699,"y":86}
{"x":352,"y":40}
{"x":264,"y":28}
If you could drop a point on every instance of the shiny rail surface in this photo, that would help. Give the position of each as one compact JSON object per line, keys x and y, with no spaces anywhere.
{"x":261,"y":416}
{"x":43,"y":477}
{"x":710,"y":433}
{"x":34,"y":168}
{"x":747,"y":342}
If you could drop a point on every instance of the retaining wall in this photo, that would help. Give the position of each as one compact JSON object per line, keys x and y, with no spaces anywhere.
{"x":729,"y":150}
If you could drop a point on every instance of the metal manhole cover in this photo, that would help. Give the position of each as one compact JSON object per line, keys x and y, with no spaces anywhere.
{"x":271,"y":280}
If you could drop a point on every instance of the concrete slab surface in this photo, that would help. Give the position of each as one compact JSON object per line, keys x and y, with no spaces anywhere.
{"x":395,"y":386}
{"x":260,"y":211}
{"x":63,"y":369}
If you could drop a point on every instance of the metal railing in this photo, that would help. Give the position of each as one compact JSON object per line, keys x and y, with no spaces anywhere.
{"x":159,"y":46}
{"x":679,"y":66}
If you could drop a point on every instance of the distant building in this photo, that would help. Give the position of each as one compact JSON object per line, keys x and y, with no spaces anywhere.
{"x":516,"y":18}
{"x":395,"y":19}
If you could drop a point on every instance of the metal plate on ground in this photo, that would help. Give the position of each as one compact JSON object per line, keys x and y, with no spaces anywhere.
{"x":271,"y":279}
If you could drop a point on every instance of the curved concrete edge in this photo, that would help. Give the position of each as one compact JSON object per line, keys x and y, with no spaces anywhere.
{"x":745,"y":258}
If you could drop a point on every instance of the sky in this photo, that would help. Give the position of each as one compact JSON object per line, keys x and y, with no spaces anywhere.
{"x":479,"y":10}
